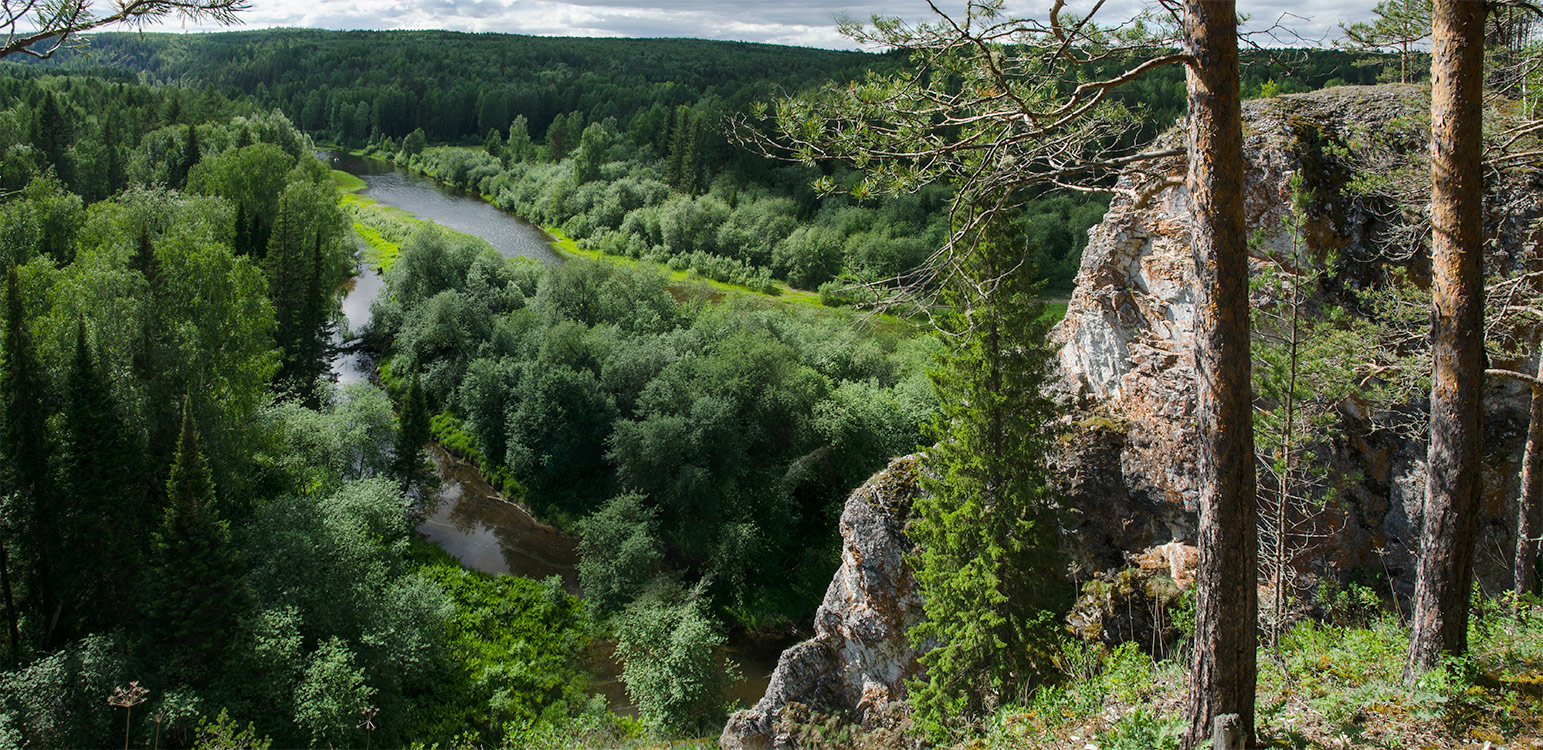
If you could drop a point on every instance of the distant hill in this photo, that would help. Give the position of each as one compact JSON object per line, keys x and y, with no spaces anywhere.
{"x":355,"y":84}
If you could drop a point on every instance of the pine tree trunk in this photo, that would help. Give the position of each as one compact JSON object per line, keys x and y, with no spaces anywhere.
{"x":1529,"y":511}
{"x":1224,"y":666}
{"x":1452,"y":494}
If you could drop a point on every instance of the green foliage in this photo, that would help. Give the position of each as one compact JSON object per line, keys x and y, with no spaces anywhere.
{"x":666,"y":641}
{"x":59,"y":700}
{"x":195,"y":595}
{"x":618,"y":551}
{"x":332,"y":695}
{"x":223,"y":733}
{"x":986,"y":568}
{"x":518,"y":647}
{"x":589,"y":380}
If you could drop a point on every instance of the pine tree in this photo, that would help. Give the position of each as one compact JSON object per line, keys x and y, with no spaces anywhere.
{"x":26,"y":451}
{"x":987,"y":566}
{"x":195,"y":594}
{"x":413,"y":432}
{"x":105,"y":507}
{"x":1449,"y":528}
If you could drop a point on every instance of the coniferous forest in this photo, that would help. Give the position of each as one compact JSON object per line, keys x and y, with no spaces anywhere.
{"x":1057,"y":381}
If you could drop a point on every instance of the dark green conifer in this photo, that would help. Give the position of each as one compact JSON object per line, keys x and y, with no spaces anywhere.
{"x":242,"y":244}
{"x":987,"y":568}
{"x":105,"y":508}
{"x":190,"y":156}
{"x":26,"y":451}
{"x":52,"y":132}
{"x":116,"y":179}
{"x":413,"y":430}
{"x":146,"y":361}
{"x":296,"y":286}
{"x":195,"y":594}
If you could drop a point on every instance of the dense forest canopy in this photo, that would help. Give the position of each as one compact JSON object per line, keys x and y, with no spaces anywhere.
{"x":656,"y":177}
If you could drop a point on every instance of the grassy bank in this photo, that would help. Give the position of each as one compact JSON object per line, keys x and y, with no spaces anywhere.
{"x":383,"y":228}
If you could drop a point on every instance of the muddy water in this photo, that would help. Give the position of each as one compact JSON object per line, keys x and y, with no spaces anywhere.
{"x":466,"y":516}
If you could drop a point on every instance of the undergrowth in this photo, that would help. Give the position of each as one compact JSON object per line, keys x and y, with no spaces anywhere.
{"x":1328,"y":685}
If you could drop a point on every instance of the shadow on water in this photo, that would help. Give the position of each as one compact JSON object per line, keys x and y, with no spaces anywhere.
{"x":466,"y":516}
{"x":486,"y":532}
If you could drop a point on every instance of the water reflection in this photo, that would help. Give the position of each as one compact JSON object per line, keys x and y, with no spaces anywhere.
{"x":447,"y":206}
{"x":471,"y":521}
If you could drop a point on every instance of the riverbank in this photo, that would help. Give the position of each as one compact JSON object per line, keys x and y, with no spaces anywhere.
{"x":468,"y":517}
{"x":389,"y":228}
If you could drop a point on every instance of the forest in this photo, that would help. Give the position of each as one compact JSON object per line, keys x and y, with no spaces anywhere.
{"x":776,"y":271}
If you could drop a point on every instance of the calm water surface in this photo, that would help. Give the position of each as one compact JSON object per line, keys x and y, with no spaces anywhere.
{"x":447,"y":206}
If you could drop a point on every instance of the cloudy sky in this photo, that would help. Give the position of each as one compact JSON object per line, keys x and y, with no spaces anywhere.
{"x":802,"y":22}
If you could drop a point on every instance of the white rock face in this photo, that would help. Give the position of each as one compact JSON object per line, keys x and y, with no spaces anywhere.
{"x":1127,"y":339}
{"x":860,"y":657}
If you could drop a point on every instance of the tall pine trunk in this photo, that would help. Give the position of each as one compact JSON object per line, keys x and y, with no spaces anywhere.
{"x":1457,"y":286}
{"x":1226,"y":603}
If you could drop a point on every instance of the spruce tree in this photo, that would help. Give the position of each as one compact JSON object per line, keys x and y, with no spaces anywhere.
{"x":190,"y":155}
{"x":26,"y":450}
{"x":105,"y":507}
{"x":195,"y":594}
{"x":986,"y":564}
{"x":161,"y":409}
{"x":52,"y":132}
{"x":242,"y":241}
{"x":292,"y":287}
{"x":413,"y":430}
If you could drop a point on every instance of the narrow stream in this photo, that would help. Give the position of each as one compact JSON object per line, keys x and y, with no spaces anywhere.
{"x":466,"y":516}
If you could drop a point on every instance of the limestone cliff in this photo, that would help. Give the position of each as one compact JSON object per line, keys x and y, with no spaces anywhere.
{"x":860,"y":657}
{"x":1129,"y":470}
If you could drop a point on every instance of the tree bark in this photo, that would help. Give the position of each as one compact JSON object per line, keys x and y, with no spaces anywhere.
{"x":1226,"y":605}
{"x":1452,"y":496}
{"x":1529,"y":511}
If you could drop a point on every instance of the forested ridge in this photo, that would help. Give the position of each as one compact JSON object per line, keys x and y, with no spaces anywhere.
{"x":657,"y":176}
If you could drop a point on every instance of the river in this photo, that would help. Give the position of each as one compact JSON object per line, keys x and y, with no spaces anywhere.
{"x":466,"y":516}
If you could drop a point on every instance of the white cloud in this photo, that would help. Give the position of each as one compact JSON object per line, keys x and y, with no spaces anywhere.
{"x":801,"y":22}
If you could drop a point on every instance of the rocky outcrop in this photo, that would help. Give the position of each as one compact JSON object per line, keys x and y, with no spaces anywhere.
{"x":860,"y":656}
{"x":1128,"y":469}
